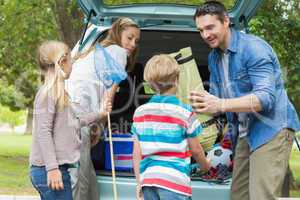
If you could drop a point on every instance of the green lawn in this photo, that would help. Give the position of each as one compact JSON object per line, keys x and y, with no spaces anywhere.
{"x":14,"y":150}
{"x":295,"y":167}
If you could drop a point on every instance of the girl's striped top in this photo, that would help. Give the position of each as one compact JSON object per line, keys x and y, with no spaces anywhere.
{"x":162,"y":127}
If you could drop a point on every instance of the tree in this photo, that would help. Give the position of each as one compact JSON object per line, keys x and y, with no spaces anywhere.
{"x":24,"y":24}
{"x":68,"y":19}
{"x":10,"y":117}
{"x":281,"y":28}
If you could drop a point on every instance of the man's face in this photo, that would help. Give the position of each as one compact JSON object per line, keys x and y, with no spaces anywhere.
{"x":213,"y":31}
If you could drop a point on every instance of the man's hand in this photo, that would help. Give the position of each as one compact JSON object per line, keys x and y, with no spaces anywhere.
{"x":54,"y":180}
{"x":203,"y":102}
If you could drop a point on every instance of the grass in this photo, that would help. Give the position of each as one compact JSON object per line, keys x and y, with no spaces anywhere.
{"x":14,"y":151}
{"x":295,"y":167}
{"x":14,"y":179}
{"x":12,"y":145}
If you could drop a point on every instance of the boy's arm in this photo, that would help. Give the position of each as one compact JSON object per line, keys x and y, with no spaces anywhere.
{"x":193,"y":131}
{"x":136,"y":160}
{"x":198,"y":153}
{"x":137,"y":156}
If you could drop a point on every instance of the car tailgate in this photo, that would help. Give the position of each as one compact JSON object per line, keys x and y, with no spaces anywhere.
{"x":126,"y":189}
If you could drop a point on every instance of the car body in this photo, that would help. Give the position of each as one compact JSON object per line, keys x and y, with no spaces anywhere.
{"x":165,"y":28}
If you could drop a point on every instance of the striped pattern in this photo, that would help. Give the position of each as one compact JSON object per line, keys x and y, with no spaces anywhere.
{"x":162,"y":127}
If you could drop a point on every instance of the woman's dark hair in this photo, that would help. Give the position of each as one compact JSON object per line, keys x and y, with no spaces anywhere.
{"x":211,"y":8}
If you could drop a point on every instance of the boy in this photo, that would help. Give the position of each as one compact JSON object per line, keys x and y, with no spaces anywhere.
{"x":165,"y":132}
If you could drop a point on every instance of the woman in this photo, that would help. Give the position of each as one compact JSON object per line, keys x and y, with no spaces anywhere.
{"x":86,"y":89}
{"x":56,"y":142}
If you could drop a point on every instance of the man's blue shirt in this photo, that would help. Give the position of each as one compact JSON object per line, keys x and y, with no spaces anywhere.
{"x":254,"y":69}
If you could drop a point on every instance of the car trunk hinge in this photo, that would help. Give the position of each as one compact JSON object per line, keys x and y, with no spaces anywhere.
{"x":244,"y":21}
{"x":91,"y":12}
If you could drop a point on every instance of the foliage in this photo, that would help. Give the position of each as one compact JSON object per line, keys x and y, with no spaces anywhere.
{"x":13,"y":118}
{"x":228,"y":3}
{"x":23,"y":26}
{"x":281,"y":28}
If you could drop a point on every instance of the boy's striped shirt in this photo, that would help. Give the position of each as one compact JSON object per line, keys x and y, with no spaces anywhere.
{"x":162,"y":127}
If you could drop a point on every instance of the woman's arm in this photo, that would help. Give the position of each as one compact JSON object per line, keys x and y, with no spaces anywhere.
{"x":82,"y":110}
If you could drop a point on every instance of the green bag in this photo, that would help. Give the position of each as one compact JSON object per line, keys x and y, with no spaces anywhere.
{"x":189,"y":80}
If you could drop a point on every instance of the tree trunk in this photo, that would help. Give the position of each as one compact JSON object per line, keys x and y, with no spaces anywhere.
{"x":29,"y":122}
{"x":67,"y":14}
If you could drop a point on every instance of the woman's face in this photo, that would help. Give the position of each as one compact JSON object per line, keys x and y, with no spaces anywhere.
{"x":130,"y":38}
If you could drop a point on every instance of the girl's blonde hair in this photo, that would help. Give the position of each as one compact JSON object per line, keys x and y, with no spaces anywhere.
{"x":161,"y":72}
{"x":49,"y":55}
{"x":114,"y":37}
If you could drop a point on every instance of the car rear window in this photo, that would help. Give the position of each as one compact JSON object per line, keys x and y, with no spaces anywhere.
{"x":228,"y":3}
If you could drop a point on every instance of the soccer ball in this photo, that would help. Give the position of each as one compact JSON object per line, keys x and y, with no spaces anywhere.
{"x":219,"y":155}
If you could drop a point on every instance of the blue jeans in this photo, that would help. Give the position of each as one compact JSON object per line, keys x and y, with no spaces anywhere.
{"x":38,"y":176}
{"x":156,"y":193}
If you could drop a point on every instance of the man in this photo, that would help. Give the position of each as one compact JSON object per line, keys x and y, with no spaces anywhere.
{"x":246,"y":84}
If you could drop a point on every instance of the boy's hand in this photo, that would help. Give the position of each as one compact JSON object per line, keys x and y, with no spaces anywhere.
{"x":206,"y":166}
{"x":139,"y":193}
{"x":54,"y":180}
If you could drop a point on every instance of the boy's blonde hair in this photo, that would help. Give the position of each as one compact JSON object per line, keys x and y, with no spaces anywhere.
{"x":161,"y":73}
{"x":49,"y":54}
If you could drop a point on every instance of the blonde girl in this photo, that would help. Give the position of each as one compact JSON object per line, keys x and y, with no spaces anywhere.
{"x":56,"y":142}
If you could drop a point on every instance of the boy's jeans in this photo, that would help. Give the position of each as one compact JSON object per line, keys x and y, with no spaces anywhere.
{"x":156,"y":193}
{"x":38,"y":176}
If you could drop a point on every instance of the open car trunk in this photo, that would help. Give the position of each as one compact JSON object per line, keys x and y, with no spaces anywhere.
{"x":130,"y":96}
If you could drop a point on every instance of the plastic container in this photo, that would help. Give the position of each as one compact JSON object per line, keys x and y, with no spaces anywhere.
{"x":123,"y":148}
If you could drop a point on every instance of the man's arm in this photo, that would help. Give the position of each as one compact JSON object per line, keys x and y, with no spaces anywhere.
{"x":261,"y":74}
{"x":203,"y":102}
{"x":248,"y":103}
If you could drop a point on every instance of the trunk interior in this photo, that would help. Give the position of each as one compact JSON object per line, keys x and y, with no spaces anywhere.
{"x":131,"y":93}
